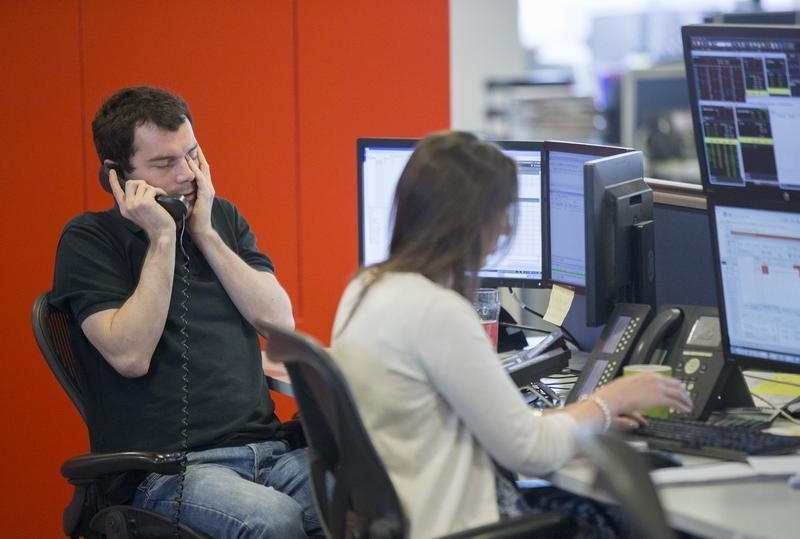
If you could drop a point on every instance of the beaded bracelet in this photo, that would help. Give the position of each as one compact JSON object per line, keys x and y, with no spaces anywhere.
{"x":603,"y":408}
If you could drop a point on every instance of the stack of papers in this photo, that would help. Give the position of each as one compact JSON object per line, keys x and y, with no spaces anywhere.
{"x":778,"y":466}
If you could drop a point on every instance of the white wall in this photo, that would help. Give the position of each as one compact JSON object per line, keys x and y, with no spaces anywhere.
{"x":484,"y":43}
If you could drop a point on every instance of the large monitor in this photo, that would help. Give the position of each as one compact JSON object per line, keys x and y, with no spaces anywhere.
{"x":620,"y":235}
{"x":657,"y":120}
{"x":380,"y":162}
{"x":756,"y":17}
{"x":744,"y":90}
{"x":757,"y":264}
{"x":563,"y":189}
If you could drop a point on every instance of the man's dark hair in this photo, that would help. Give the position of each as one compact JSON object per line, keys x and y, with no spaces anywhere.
{"x":117,"y":119}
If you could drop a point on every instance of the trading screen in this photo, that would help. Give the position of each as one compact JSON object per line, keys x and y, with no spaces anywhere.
{"x":747,"y":94}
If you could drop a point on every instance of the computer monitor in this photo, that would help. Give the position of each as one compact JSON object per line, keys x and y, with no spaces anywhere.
{"x":756,"y":247}
{"x":744,"y":90}
{"x":380,"y":161}
{"x":657,"y":120}
{"x":565,"y":252}
{"x":620,"y":235}
{"x":756,"y":17}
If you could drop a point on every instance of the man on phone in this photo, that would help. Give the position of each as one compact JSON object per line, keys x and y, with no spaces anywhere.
{"x":163,"y":325}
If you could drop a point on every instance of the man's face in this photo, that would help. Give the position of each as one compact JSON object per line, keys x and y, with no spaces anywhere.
{"x":159,"y":158}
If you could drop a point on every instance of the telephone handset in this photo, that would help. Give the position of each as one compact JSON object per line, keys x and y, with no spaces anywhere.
{"x":175,"y":206}
{"x":686,"y":337}
{"x":664,"y":324}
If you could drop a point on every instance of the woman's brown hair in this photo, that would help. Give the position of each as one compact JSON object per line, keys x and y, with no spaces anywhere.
{"x":451,"y":204}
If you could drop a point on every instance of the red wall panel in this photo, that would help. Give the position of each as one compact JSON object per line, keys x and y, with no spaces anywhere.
{"x":40,"y":188}
{"x":365,"y":68}
{"x":235,"y":67}
{"x":279,"y":91}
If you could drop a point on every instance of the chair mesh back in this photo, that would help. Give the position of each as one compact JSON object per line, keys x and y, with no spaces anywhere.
{"x":623,"y":472}
{"x":51,"y":329}
{"x":353,"y":490}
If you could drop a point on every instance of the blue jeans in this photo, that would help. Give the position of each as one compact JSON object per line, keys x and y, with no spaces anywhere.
{"x":258,"y":490}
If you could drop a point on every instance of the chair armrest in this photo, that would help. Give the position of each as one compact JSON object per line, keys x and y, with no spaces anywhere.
{"x":94,"y":465}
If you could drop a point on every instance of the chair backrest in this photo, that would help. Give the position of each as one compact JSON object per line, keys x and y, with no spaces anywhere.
{"x":353,"y":492}
{"x":51,"y":329}
{"x":623,"y":472}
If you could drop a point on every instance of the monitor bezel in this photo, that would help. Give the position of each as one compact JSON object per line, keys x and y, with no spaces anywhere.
{"x":596,"y":208}
{"x":583,"y":148}
{"x":745,"y":31}
{"x":361,"y":145}
{"x":409,"y":143}
{"x":742,"y":200}
{"x":497,"y":282}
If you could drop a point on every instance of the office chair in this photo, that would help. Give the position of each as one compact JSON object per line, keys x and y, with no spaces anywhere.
{"x":104,"y":482}
{"x":623,"y":472}
{"x":352,"y":490}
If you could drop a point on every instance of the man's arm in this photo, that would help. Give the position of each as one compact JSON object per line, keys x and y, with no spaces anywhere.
{"x":127,"y":337}
{"x":257,"y":294}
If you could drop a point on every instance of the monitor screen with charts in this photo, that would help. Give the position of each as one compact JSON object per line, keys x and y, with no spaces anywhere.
{"x":757,"y":249}
{"x":380,"y":162}
{"x":744,"y":91}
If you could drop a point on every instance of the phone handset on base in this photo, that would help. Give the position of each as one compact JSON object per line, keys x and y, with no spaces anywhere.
{"x":664,"y":324}
{"x":685,"y":337}
{"x":175,"y":206}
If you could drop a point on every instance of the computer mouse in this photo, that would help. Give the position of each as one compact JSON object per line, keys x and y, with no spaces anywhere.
{"x":660,"y":459}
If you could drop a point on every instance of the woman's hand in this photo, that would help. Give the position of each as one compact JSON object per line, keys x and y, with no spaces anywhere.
{"x":628,"y":395}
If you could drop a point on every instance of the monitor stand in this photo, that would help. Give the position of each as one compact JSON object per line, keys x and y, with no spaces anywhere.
{"x":732,"y":391}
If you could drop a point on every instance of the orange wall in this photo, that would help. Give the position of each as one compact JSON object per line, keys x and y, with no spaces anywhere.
{"x":280,"y":90}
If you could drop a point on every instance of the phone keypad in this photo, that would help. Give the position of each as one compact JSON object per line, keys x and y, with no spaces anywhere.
{"x":627,"y":334}
{"x":688,"y":371}
{"x":622,"y":345}
{"x":608,"y":372}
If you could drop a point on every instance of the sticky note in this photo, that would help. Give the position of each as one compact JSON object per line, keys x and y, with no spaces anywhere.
{"x":560,"y":302}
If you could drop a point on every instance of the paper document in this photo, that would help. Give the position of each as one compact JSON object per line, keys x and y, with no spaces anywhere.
{"x":703,"y":473}
{"x":776,"y":466}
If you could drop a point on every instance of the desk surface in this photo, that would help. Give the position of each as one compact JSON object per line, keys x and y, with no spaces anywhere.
{"x":757,"y":509}
{"x":277,"y":377}
{"x":764,"y":508}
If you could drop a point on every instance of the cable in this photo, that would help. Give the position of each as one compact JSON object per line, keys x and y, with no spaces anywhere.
{"x":567,"y":334}
{"x":184,"y":430}
{"x":776,"y":408}
{"x":529,"y":328}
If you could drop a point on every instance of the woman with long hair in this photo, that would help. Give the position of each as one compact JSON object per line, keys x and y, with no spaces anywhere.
{"x":438,"y":405}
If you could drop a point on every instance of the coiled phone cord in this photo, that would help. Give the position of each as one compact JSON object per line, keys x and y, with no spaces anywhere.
{"x":184,"y":431}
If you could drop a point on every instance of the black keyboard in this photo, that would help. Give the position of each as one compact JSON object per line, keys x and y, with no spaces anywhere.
{"x":681,"y":435}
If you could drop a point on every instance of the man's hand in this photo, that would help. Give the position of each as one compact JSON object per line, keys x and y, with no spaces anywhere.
{"x":200,"y":221}
{"x":137,"y":203}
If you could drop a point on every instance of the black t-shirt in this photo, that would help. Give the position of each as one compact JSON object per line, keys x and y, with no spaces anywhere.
{"x":99,"y":259}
